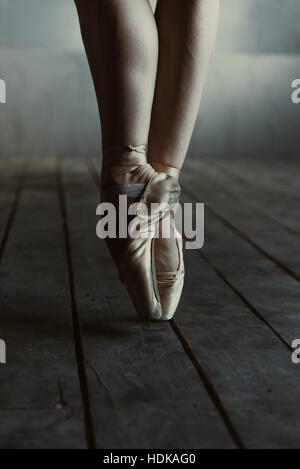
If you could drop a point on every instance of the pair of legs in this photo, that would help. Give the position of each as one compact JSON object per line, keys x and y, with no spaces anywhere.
{"x":149,"y":72}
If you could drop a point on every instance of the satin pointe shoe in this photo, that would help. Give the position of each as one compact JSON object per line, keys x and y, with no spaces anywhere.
{"x":125,"y":171}
{"x":128,"y":173}
{"x":170,"y":282}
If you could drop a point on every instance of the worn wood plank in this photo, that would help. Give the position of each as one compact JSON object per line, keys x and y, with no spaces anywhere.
{"x":265,"y":175}
{"x":40,"y":428}
{"x":261,"y":409}
{"x":266,"y":193}
{"x":249,"y":367}
{"x":36,"y":324}
{"x":266,"y":235}
{"x":291,"y":166}
{"x":273,"y":295}
{"x":11,"y":175}
{"x":144,"y":389}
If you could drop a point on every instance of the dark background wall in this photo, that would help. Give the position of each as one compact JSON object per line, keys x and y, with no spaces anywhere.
{"x":246,"y":108}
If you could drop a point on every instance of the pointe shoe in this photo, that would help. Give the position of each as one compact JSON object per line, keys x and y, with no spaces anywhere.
{"x":170,"y":284}
{"x":136,"y":258}
{"x":125,"y":171}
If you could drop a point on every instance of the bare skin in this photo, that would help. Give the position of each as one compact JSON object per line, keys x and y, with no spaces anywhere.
{"x":187,"y":34}
{"x":121,"y":42}
{"x":149,"y":73}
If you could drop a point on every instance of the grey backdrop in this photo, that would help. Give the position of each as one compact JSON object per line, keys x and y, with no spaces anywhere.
{"x":246,"y":108}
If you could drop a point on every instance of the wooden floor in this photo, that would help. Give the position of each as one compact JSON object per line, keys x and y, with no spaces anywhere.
{"x":82,"y":371}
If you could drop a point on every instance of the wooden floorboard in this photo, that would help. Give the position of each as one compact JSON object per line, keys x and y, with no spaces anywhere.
{"x":264,"y":291}
{"x":272,"y":294}
{"x":269,"y":192}
{"x":41,"y":429}
{"x":145,"y":391}
{"x":266,"y":175}
{"x":83,"y":371}
{"x":250,"y":368}
{"x":39,"y":383}
{"x":267,"y":236}
{"x":12,"y":176}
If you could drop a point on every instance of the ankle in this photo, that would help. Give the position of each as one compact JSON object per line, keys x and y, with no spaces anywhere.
{"x":124,"y":165}
{"x":165,"y":168}
{"x":119,"y":169}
